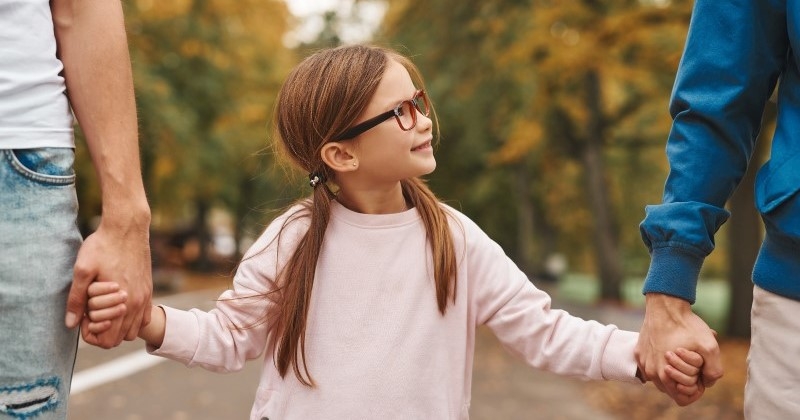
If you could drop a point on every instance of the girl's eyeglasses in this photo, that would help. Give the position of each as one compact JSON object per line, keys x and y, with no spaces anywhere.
{"x":405,"y":113}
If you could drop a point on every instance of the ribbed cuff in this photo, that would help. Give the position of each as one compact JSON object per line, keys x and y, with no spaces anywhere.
{"x":619,"y":363}
{"x":673,"y":272}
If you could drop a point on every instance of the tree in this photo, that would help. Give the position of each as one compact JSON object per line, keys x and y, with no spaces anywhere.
{"x":745,"y":234}
{"x":206,"y":73}
{"x":560,"y":87}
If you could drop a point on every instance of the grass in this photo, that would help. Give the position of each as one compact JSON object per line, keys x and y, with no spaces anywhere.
{"x":713,"y":295}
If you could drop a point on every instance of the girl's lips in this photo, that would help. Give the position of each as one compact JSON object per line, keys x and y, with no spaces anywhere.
{"x":425,"y":145}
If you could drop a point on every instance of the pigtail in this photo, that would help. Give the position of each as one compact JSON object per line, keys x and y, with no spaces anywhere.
{"x":439,"y":237}
{"x":298,"y":283}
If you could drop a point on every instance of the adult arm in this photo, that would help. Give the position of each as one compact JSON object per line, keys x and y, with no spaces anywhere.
{"x":93,"y":47}
{"x":734,"y":54}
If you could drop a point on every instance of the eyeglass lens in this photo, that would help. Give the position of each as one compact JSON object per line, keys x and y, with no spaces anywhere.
{"x":407,"y":111}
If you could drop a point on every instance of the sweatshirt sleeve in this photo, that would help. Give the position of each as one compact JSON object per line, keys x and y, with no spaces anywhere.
{"x":731,"y":63}
{"x":521,"y":317}
{"x":225,"y":337}
{"x":236,"y":330}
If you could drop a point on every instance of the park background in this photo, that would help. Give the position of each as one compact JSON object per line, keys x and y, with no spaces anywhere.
{"x":553,"y":119}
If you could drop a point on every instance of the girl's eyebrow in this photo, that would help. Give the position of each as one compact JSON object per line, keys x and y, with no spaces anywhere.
{"x":406,"y":98}
{"x":390,"y":104}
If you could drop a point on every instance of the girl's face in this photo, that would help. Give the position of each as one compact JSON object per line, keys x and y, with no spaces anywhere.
{"x":386,"y":153}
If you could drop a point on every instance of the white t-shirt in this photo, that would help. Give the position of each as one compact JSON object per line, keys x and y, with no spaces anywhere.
{"x":34,"y":109}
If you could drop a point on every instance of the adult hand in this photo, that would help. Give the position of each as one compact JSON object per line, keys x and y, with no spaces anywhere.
{"x":669,"y":323}
{"x":115,"y":254}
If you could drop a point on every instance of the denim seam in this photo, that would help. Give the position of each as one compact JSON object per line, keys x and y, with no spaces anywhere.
{"x":56,"y":180}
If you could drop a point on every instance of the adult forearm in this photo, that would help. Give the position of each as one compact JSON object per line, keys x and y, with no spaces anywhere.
{"x":92,"y":45}
{"x":716,"y":120}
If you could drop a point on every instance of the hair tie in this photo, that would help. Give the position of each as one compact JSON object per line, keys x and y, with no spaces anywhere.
{"x":315,"y":178}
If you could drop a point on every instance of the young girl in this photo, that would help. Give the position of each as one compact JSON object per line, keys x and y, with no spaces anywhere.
{"x":366,"y":296}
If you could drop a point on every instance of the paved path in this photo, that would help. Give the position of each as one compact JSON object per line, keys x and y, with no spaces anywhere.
{"x":505,"y":388}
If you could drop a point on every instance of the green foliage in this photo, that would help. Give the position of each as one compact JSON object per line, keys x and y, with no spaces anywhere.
{"x":206,"y":73}
{"x":508,"y":82}
{"x":509,"y":79}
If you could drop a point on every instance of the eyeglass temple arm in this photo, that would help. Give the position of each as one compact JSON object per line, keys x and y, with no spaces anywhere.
{"x":364,"y":126}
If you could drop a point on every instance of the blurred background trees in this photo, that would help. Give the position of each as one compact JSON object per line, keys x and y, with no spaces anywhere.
{"x":553,"y":118}
{"x":560,"y":95}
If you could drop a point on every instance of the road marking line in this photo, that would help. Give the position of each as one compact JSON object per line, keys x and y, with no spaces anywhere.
{"x":130,"y":363}
{"x":169,"y":301}
{"x":113,"y":370}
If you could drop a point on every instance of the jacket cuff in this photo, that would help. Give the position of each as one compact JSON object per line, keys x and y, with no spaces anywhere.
{"x":673,"y":272}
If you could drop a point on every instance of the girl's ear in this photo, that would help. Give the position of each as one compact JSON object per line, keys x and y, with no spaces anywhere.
{"x":339,"y":157}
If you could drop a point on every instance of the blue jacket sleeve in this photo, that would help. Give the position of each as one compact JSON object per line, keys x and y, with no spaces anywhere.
{"x":735,"y":51}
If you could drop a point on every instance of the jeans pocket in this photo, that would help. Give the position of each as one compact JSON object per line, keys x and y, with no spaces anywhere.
{"x":48,"y":166}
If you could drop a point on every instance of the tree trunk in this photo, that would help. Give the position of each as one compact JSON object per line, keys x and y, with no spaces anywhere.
{"x":551,"y":264}
{"x":606,"y":238}
{"x":525,"y":227}
{"x":242,"y":208}
{"x":745,"y":236}
{"x":202,"y":234}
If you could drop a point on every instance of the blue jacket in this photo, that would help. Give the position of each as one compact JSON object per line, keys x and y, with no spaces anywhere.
{"x":735,"y":53}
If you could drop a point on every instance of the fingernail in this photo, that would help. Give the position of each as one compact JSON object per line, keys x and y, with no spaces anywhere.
{"x":71,"y":320}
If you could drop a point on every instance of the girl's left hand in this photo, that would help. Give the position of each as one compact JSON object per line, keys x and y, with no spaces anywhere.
{"x":684,"y":368}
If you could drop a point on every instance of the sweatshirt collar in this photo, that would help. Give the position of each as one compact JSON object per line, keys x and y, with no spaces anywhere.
{"x":340,"y":212}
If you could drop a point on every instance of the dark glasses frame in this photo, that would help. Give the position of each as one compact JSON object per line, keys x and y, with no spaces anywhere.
{"x":396,"y":112}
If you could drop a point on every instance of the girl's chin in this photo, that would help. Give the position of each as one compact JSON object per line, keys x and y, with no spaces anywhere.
{"x":430,"y":168}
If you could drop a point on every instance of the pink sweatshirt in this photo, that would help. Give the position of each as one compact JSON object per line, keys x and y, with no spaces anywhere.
{"x":376,"y":344}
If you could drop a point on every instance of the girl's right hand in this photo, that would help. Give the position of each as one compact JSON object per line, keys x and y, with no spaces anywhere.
{"x":106,"y":303}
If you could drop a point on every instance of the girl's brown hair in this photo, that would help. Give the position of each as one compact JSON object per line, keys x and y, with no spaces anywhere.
{"x":322,"y":97}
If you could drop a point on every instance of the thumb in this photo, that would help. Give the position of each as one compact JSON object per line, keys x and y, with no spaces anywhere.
{"x":712,"y":363}
{"x":76,"y":301}
{"x":712,"y":370}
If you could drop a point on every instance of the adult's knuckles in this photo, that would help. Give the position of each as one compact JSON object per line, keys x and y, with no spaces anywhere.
{"x":82,"y":271}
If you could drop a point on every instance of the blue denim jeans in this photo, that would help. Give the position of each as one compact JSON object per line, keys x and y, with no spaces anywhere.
{"x":39,"y":242}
